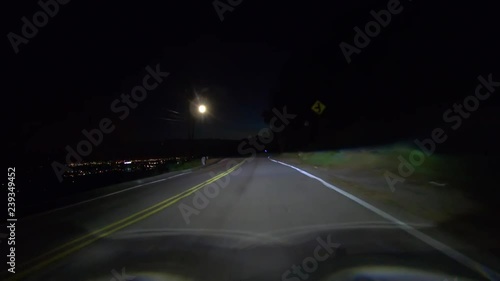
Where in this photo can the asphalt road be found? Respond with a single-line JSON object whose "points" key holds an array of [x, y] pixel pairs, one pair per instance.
{"points": [[257, 220]]}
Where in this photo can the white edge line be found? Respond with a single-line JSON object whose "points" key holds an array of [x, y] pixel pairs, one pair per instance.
{"points": [[103, 196], [443, 248]]}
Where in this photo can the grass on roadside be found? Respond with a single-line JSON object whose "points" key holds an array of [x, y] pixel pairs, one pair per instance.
{"points": [[185, 165], [439, 168], [462, 207]]}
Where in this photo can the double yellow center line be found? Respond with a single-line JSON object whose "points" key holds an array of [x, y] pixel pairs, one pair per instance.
{"points": [[68, 248]]}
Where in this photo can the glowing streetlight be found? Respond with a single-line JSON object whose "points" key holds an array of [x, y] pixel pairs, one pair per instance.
{"points": [[202, 109]]}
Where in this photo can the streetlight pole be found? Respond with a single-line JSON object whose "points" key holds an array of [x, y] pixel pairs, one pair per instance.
{"points": [[197, 110]]}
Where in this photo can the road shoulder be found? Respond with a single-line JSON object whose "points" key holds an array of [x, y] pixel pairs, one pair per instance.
{"points": [[407, 206]]}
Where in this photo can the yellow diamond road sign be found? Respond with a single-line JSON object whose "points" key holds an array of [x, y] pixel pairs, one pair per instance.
{"points": [[318, 107]]}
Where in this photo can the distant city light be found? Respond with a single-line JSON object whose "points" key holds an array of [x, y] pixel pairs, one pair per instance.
{"points": [[84, 169]]}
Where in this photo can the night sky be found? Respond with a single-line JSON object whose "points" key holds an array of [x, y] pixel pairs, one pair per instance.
{"points": [[264, 54], [67, 76]]}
